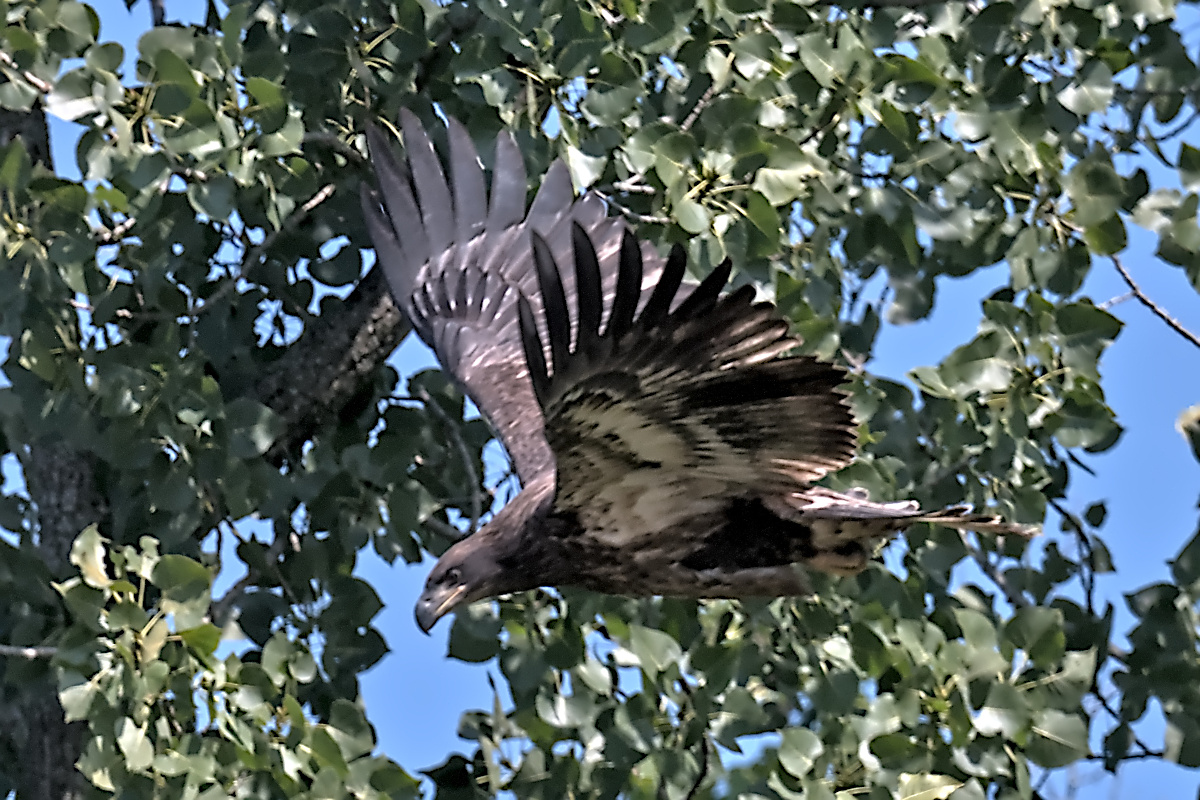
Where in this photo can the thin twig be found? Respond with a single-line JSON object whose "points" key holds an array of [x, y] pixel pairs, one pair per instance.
{"points": [[631, 185], [445, 529], [33, 80], [17, 651], [866, 4], [1154, 307], [1017, 599], [254, 255], [1115, 301], [1127, 756], [1112, 712], [333, 142], [703, 773], [631, 214], [1014, 596], [114, 234], [701, 104], [1087, 574], [219, 610], [463, 453]]}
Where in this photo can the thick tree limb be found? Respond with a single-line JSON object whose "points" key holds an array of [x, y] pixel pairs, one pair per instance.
{"points": [[319, 375]]}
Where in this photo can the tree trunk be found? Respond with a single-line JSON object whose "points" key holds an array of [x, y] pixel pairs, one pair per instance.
{"points": [[61, 484], [320, 376]]}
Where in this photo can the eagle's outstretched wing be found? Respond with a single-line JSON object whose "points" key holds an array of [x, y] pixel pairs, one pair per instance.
{"points": [[673, 408], [457, 259], [684, 440]]}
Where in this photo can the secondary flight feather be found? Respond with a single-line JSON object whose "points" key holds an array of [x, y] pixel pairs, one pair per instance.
{"points": [[666, 442]]}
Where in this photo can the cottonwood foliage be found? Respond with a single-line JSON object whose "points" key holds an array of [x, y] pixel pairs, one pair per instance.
{"points": [[165, 313]]}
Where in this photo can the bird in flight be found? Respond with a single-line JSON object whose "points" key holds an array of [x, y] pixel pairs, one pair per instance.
{"points": [[665, 441]]}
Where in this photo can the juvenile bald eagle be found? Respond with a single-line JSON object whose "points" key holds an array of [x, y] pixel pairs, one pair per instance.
{"points": [[665, 443]]}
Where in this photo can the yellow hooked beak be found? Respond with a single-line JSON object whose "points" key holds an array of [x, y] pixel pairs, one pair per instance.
{"points": [[435, 603]]}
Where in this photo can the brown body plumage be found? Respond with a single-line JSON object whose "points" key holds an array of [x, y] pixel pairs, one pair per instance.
{"points": [[665, 442]]}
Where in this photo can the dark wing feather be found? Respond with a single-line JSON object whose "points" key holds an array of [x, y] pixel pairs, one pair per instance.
{"points": [[588, 293], [457, 261], [629, 281], [684, 405], [558, 320]]}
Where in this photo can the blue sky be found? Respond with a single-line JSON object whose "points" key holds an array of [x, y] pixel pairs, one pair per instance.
{"points": [[1150, 480]]}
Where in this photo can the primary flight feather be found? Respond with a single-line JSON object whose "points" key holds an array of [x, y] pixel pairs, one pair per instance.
{"points": [[665, 442]]}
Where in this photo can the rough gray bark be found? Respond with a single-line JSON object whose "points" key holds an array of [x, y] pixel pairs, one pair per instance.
{"points": [[327, 370], [61, 484], [337, 354]]}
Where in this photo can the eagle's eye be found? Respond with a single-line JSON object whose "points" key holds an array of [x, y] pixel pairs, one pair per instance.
{"points": [[453, 576]]}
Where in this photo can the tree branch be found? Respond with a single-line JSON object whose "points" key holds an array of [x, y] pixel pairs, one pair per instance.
{"points": [[1154, 307], [323, 373], [31, 653], [625, 211], [463, 453], [254, 255], [862, 5], [701, 104], [33, 80], [319, 376], [333, 142], [444, 529]]}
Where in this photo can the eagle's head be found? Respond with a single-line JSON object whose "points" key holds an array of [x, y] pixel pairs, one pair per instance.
{"points": [[503, 556], [467, 572]]}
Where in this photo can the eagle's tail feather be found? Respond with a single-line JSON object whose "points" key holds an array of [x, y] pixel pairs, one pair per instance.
{"points": [[819, 503], [962, 518]]}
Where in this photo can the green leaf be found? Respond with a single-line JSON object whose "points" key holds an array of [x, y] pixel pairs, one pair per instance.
{"points": [[926, 787], [1085, 331], [1084, 421], [1188, 425], [474, 636], [253, 428], [1106, 237], [181, 578], [349, 728], [1096, 514], [1005, 712], [1058, 739], [14, 166], [77, 700], [799, 751], [782, 186], [136, 748], [185, 586], [87, 553], [320, 743], [1039, 632], [1096, 191], [692, 216], [203, 639], [979, 367], [565, 711], [654, 649], [213, 197], [817, 55], [585, 169], [1092, 92], [1185, 567], [1189, 167]]}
